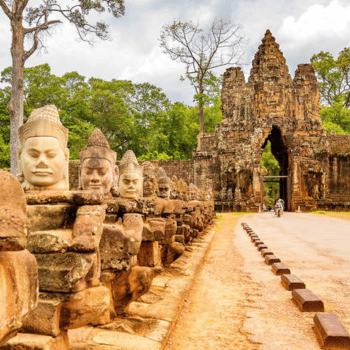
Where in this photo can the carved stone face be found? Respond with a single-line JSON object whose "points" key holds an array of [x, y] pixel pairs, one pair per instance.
{"points": [[193, 195], [43, 162], [130, 185], [97, 175], [148, 187], [164, 190]]}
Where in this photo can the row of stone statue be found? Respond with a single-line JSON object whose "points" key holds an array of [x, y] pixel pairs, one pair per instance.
{"points": [[73, 258], [43, 163]]}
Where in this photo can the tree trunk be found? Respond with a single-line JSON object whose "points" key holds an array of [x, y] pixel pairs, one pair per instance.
{"points": [[16, 102], [200, 105]]}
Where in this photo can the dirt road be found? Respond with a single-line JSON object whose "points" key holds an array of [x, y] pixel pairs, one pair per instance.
{"points": [[238, 303]]}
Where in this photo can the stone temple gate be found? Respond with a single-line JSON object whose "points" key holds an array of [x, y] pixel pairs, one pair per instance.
{"points": [[315, 167]]}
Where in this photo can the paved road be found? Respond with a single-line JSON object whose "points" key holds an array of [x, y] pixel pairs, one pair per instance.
{"points": [[238, 303], [317, 249]]}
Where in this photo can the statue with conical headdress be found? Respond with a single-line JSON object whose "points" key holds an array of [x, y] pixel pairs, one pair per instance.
{"points": [[164, 184], [43, 153], [98, 170], [149, 180], [130, 177]]}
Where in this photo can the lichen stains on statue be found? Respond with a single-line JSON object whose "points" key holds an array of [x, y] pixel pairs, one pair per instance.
{"points": [[98, 170]]}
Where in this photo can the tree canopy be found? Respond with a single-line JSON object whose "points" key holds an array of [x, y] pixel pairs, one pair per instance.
{"points": [[131, 116], [28, 21], [333, 77]]}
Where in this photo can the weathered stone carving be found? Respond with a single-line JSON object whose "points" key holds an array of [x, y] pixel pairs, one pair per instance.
{"points": [[273, 107], [98, 170], [149, 180], [18, 268], [130, 178], [164, 184], [192, 192], [43, 154], [65, 246]]}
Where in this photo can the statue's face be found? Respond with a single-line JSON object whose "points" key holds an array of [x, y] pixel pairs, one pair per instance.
{"points": [[148, 187], [164, 191], [43, 161], [96, 175], [130, 185], [193, 195]]}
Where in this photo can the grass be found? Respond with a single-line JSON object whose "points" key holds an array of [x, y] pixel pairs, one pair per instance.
{"points": [[329, 212]]}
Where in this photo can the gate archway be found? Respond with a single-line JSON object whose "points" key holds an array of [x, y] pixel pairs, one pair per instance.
{"points": [[280, 151]]}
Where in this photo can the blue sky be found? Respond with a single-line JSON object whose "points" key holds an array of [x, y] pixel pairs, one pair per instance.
{"points": [[301, 27]]}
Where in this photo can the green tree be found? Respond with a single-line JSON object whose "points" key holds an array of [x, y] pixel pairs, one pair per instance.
{"points": [[333, 76], [29, 23], [201, 53], [270, 167]]}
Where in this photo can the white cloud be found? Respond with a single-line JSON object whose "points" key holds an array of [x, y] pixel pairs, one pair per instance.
{"points": [[318, 21]]}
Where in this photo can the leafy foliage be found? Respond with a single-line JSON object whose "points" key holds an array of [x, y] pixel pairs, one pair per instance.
{"points": [[333, 77], [131, 116], [270, 167]]}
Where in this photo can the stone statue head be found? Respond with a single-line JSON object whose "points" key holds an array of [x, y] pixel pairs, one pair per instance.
{"points": [[98, 170], [164, 184], [174, 188], [149, 180], [14, 224], [43, 153], [183, 190], [130, 177], [192, 192]]}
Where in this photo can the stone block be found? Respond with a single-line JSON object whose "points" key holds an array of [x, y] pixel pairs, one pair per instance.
{"points": [[50, 217], [18, 290], [149, 254], [291, 282], [266, 252], [25, 341], [307, 301], [330, 332], [45, 319], [254, 238], [115, 246], [280, 269], [257, 242], [85, 307], [88, 197], [67, 272], [180, 239], [271, 259], [157, 229], [261, 246], [42, 242]]}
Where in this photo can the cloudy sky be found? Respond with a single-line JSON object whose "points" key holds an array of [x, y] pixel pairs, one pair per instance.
{"points": [[301, 27]]}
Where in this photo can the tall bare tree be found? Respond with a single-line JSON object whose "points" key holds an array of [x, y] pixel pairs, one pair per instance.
{"points": [[39, 19], [202, 52]]}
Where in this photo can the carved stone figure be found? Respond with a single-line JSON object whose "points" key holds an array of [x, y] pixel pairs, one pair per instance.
{"points": [[43, 154], [192, 192], [98, 170], [18, 268], [149, 180], [164, 184], [130, 179]]}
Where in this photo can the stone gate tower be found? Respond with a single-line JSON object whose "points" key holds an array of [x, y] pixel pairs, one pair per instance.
{"points": [[315, 168]]}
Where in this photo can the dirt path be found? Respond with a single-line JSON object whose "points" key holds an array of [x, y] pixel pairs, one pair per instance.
{"points": [[214, 313], [238, 303]]}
